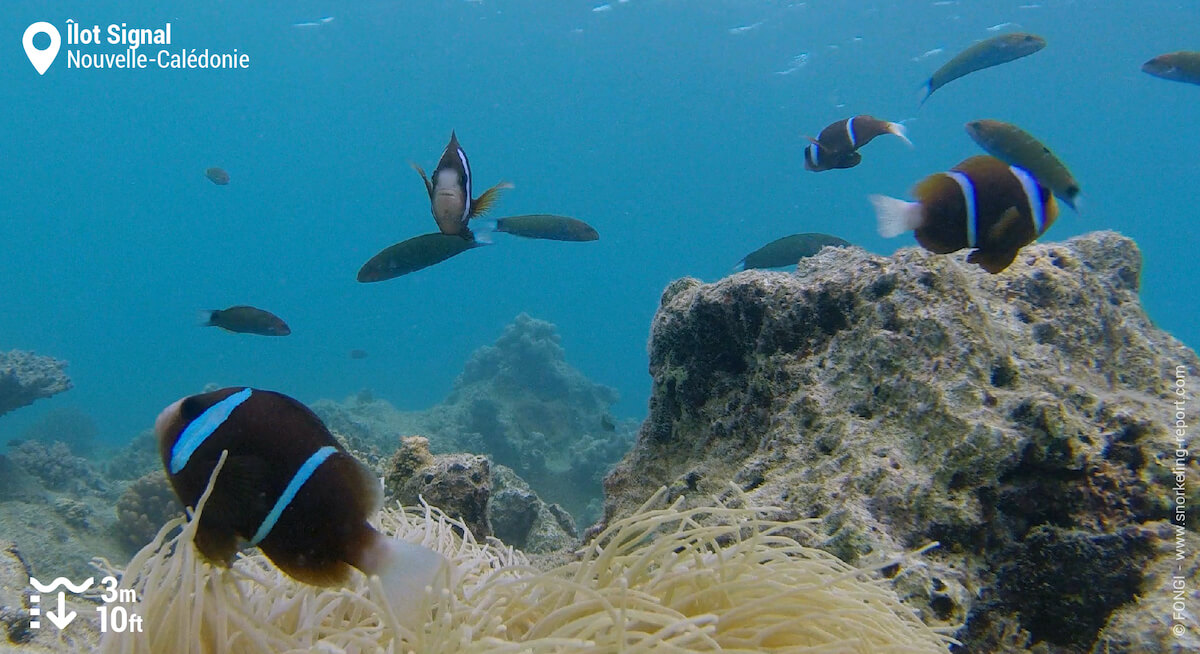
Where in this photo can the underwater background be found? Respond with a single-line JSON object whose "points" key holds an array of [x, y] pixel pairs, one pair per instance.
{"points": [[674, 127]]}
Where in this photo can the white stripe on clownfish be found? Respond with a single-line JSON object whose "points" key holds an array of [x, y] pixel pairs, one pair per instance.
{"points": [[1037, 210], [462, 156], [202, 427], [968, 192], [298, 480]]}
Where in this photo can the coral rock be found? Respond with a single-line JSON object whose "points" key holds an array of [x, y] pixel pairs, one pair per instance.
{"points": [[459, 484], [913, 398], [521, 519], [144, 508], [25, 377]]}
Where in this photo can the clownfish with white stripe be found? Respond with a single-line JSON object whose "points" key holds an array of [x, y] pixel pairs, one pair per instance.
{"points": [[982, 203], [837, 145], [289, 488], [450, 192]]}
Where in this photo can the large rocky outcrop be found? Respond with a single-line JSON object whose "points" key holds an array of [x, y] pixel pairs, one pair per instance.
{"points": [[25, 377], [1020, 419], [519, 402]]}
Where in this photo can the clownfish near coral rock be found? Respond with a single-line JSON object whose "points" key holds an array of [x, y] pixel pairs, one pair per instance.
{"points": [[982, 203], [289, 488], [837, 145], [450, 192]]}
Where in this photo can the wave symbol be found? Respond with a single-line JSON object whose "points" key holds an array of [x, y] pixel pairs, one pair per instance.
{"points": [[61, 581]]}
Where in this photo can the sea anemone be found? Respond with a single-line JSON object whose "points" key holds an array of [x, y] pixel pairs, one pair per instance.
{"points": [[720, 579]]}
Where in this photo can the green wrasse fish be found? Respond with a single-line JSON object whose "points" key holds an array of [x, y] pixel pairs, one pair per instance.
{"points": [[243, 319], [1183, 66], [788, 250], [414, 254], [541, 225], [1017, 147], [985, 54]]}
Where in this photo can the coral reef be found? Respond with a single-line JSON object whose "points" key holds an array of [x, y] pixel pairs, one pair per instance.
{"points": [[26, 377], [57, 469], [145, 506], [137, 458], [1020, 419], [517, 401], [67, 425]]}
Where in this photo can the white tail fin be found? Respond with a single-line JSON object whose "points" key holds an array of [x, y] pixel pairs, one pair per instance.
{"points": [[899, 130], [896, 216], [406, 570], [205, 318], [483, 229]]}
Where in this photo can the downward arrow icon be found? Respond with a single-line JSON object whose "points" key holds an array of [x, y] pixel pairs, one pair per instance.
{"points": [[62, 618]]}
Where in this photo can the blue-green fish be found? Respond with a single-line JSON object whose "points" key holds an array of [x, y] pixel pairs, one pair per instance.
{"points": [[1017, 147], [985, 54], [541, 225], [1183, 66], [414, 254], [788, 250]]}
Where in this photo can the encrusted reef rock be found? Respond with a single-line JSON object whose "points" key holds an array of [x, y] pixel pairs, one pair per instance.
{"points": [[459, 484], [521, 519], [489, 498], [1024, 420], [25, 377]]}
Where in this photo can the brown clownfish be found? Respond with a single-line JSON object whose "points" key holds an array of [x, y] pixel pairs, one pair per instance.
{"points": [[450, 192], [982, 203], [289, 488], [837, 145]]}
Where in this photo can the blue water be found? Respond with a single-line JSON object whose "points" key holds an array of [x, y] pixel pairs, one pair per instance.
{"points": [[675, 136]]}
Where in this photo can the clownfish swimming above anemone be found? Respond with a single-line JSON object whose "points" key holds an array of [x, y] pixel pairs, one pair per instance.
{"points": [[982, 203], [289, 488]]}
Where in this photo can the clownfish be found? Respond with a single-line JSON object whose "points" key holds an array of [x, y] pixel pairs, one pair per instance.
{"points": [[450, 192], [982, 203], [289, 488], [837, 145]]}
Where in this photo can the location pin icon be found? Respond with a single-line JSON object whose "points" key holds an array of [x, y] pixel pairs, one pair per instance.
{"points": [[41, 59]]}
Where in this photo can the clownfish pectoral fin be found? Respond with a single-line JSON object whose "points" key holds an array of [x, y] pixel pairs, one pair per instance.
{"points": [[421, 172], [992, 262], [217, 543], [483, 203], [1007, 221], [895, 216]]}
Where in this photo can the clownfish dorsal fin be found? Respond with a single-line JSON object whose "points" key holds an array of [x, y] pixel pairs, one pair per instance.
{"points": [[481, 204], [1007, 220], [421, 172], [812, 140]]}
